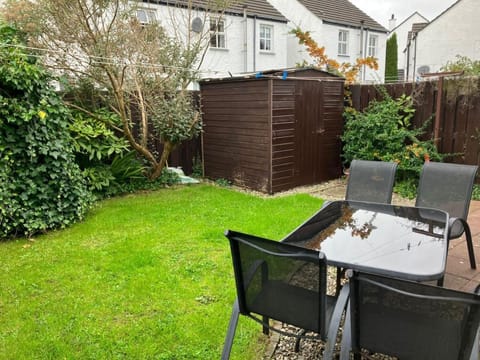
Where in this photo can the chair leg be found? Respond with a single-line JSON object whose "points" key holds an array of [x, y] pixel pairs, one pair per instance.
{"points": [[468, 236], [265, 328], [339, 309], [346, 343], [232, 327], [297, 342]]}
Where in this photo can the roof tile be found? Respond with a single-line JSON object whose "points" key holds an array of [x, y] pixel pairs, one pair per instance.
{"points": [[341, 12], [260, 8]]}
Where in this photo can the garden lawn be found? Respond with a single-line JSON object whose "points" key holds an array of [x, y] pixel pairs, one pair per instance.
{"points": [[145, 276]]}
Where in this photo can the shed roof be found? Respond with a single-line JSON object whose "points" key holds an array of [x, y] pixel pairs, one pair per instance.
{"points": [[306, 73], [341, 12], [259, 8]]}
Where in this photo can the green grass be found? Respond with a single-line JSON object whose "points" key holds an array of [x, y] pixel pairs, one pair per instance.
{"points": [[146, 276]]}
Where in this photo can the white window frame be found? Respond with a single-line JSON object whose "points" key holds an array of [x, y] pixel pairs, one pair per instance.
{"points": [[266, 38], [343, 40], [217, 34], [372, 45], [150, 16]]}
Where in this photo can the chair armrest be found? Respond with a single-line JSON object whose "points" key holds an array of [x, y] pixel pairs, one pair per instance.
{"points": [[340, 306], [325, 203], [453, 220]]}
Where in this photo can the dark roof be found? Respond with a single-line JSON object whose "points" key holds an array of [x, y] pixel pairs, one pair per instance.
{"points": [[415, 29], [341, 12], [259, 8]]}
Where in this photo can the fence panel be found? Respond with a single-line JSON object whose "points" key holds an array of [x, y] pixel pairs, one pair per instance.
{"points": [[458, 110]]}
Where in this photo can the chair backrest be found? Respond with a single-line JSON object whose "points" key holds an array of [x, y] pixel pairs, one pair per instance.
{"points": [[411, 320], [279, 281], [447, 187], [371, 181]]}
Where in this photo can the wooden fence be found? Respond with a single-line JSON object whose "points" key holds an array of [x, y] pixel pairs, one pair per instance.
{"points": [[453, 118]]}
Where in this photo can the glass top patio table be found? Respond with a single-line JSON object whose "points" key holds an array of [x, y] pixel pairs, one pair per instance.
{"points": [[399, 241]]}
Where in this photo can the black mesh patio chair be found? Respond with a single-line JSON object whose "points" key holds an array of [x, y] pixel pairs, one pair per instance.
{"points": [[409, 320], [371, 181], [449, 187], [285, 283]]}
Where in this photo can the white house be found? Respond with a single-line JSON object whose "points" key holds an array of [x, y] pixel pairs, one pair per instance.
{"points": [[248, 37], [254, 35], [346, 32], [453, 32], [402, 31]]}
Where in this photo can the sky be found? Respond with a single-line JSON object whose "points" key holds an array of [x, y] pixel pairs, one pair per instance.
{"points": [[382, 10]]}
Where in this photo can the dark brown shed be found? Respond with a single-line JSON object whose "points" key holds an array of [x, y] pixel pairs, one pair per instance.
{"points": [[274, 131]]}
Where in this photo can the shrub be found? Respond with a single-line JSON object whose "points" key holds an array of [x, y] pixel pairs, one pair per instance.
{"points": [[383, 132], [41, 187]]}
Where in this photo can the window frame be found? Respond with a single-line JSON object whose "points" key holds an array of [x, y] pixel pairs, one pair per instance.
{"points": [[372, 48], [219, 37], [150, 16], [343, 42], [263, 39]]}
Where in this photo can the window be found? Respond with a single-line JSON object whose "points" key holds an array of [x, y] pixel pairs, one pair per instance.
{"points": [[343, 42], [372, 45], [266, 35], [146, 16], [217, 33]]}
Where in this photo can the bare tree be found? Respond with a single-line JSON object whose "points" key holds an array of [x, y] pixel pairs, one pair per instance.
{"points": [[143, 70]]}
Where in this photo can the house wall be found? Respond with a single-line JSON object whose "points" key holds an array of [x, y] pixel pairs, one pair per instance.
{"points": [[298, 16], [326, 34], [455, 32], [402, 37], [242, 52], [356, 50]]}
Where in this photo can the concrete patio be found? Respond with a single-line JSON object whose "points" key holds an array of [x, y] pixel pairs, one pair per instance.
{"points": [[459, 275]]}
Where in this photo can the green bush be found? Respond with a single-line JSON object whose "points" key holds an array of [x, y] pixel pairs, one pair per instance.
{"points": [[383, 132], [41, 187]]}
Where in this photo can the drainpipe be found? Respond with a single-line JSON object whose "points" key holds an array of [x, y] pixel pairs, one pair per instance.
{"points": [[245, 39], [366, 41], [254, 43], [414, 58], [408, 60], [361, 43]]}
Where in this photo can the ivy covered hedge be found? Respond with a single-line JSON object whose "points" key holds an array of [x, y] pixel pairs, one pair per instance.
{"points": [[41, 187]]}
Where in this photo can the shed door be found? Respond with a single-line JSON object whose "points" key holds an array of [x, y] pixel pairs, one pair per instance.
{"points": [[318, 127], [309, 130]]}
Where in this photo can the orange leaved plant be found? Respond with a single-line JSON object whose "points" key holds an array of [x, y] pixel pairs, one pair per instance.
{"points": [[347, 70]]}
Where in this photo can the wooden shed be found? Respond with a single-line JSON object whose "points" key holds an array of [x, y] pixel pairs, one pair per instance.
{"points": [[273, 131]]}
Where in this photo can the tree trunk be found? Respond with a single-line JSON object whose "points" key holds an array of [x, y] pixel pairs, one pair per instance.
{"points": [[168, 147]]}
